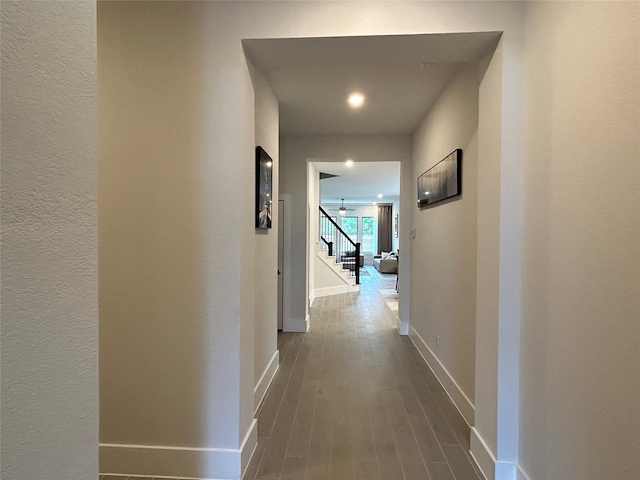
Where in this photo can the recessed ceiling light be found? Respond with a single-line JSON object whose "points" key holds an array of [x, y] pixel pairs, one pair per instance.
{"points": [[356, 100], [426, 193], [380, 195], [349, 163], [269, 164]]}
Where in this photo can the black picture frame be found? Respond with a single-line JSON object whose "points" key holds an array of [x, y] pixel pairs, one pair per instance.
{"points": [[442, 181], [264, 192]]}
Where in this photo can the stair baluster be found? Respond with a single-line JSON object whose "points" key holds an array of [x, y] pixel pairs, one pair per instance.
{"points": [[338, 243]]}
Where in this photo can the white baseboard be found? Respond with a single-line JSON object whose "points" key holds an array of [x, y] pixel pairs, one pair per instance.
{"points": [[156, 477], [491, 468], [179, 462], [265, 380], [459, 398], [483, 455], [326, 291], [295, 324], [125, 477], [312, 296], [403, 327], [248, 446]]}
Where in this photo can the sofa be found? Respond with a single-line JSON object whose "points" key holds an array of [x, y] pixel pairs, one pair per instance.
{"points": [[384, 264]]}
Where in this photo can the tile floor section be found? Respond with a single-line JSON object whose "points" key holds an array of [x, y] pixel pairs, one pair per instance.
{"points": [[353, 400]]}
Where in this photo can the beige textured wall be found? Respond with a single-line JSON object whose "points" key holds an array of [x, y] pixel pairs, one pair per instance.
{"points": [[49, 256], [443, 300], [175, 227], [580, 372], [325, 276], [266, 241]]}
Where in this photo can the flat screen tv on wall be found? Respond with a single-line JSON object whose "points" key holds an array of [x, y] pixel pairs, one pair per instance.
{"points": [[442, 181]]}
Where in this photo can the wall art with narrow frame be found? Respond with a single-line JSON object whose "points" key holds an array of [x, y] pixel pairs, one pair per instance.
{"points": [[442, 181], [264, 192]]}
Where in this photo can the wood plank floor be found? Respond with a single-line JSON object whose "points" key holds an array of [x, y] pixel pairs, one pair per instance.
{"points": [[353, 400]]}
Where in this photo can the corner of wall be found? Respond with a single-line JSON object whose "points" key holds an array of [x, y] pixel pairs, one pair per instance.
{"points": [[296, 324], [265, 260], [402, 327]]}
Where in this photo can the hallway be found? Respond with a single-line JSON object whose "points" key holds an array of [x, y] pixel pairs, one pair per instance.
{"points": [[355, 401]]}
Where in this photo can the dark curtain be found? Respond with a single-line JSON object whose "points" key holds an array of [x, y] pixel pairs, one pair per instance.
{"points": [[385, 228]]}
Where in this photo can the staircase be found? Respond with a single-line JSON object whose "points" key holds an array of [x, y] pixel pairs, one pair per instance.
{"points": [[344, 273], [339, 247]]}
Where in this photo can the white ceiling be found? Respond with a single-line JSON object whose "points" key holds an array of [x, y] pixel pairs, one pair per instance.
{"points": [[312, 78], [395, 99], [360, 183], [399, 75]]}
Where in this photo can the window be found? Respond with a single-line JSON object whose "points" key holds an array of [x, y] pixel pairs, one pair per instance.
{"points": [[367, 235], [350, 227]]}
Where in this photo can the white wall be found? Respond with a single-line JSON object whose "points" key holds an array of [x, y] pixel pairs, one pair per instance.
{"points": [[494, 438], [580, 371], [327, 278], [295, 151], [248, 265], [266, 241], [49, 254], [312, 238], [488, 251], [443, 254], [176, 192]]}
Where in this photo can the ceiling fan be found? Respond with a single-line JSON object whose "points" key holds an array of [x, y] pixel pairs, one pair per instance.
{"points": [[342, 209]]}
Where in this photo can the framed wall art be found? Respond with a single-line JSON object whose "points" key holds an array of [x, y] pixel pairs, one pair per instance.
{"points": [[264, 192], [442, 181]]}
